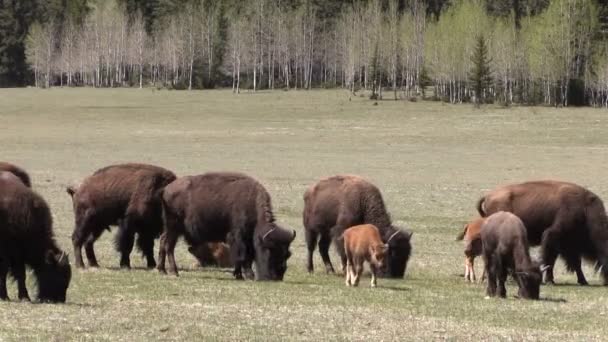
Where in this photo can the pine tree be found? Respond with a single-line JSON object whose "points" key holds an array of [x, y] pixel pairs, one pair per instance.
{"points": [[481, 75]]}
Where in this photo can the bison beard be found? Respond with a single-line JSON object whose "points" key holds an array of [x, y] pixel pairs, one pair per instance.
{"points": [[26, 238], [228, 207], [563, 218], [127, 195], [336, 203]]}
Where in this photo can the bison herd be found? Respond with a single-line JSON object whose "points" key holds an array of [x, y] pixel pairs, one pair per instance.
{"points": [[226, 219]]}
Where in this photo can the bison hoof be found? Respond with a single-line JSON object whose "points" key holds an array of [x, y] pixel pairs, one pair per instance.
{"points": [[94, 265], [583, 282]]}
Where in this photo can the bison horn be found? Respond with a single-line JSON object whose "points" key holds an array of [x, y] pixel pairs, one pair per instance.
{"points": [[544, 267], [293, 237], [63, 258]]}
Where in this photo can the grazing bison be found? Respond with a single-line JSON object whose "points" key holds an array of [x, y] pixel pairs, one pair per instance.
{"points": [[228, 207], [17, 171], [363, 243], [472, 248], [563, 218], [506, 250], [127, 195], [333, 204], [212, 254], [26, 238]]}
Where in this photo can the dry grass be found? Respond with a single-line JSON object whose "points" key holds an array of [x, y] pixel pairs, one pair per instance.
{"points": [[431, 161]]}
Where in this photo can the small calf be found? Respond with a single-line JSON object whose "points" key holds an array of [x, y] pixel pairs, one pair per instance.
{"points": [[363, 243], [212, 254], [472, 247], [506, 250]]}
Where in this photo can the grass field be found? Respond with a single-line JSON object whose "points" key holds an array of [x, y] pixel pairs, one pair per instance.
{"points": [[432, 161]]}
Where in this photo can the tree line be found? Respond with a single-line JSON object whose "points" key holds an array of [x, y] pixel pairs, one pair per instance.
{"points": [[551, 52]]}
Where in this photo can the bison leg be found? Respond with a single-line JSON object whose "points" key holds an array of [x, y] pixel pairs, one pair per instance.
{"points": [[169, 249], [145, 242], [549, 251], [125, 238], [579, 273], [18, 271], [161, 254], [502, 278], [491, 272], [3, 273], [89, 250], [374, 272], [358, 267], [324, 244], [311, 242]]}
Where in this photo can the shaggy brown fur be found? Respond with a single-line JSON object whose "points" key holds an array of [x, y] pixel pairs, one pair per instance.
{"points": [[505, 250], [26, 238], [230, 207], [212, 254], [363, 243], [17, 171], [563, 218], [472, 247], [333, 204], [127, 195]]}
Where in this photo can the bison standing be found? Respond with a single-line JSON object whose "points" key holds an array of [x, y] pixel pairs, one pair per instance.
{"points": [[228, 207], [563, 218], [17, 171], [506, 250], [127, 195], [26, 238], [336, 203]]}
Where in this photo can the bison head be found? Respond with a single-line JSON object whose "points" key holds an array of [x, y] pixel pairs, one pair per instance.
{"points": [[54, 277], [272, 251], [529, 282], [399, 250]]}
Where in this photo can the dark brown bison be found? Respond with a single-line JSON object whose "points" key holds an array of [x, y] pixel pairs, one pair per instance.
{"points": [[212, 254], [333, 204], [563, 218], [17, 171], [229, 207], [506, 250], [26, 238], [127, 195]]}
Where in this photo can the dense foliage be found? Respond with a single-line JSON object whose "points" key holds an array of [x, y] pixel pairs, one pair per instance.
{"points": [[550, 52]]}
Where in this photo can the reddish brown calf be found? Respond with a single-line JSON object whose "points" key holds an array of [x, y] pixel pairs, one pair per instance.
{"points": [[472, 247], [363, 243]]}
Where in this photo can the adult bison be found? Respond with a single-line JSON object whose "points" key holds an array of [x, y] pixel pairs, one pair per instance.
{"points": [[17, 171], [563, 218], [336, 203], [26, 238], [127, 195], [228, 207]]}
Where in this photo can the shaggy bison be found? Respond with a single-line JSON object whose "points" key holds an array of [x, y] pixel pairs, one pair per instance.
{"points": [[472, 247], [127, 195], [228, 207], [333, 204], [17, 171], [26, 238], [212, 254], [505, 250], [563, 218], [363, 243]]}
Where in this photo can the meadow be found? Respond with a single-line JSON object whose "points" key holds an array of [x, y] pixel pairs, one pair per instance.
{"points": [[432, 161]]}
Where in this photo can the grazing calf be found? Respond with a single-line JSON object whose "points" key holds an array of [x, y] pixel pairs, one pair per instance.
{"points": [[505, 250], [17, 171], [126, 195], [363, 243], [26, 238], [472, 248], [212, 254]]}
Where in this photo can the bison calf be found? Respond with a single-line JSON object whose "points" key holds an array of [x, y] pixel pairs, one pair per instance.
{"points": [[472, 247], [363, 243], [26, 238], [212, 254], [506, 250]]}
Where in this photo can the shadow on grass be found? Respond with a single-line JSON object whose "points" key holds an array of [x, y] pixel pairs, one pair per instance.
{"points": [[573, 285], [553, 300], [394, 288]]}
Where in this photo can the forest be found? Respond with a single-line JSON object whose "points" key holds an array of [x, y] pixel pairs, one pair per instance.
{"points": [[531, 52]]}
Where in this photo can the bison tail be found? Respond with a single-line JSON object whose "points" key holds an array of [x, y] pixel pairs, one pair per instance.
{"points": [[480, 209], [461, 235], [71, 190]]}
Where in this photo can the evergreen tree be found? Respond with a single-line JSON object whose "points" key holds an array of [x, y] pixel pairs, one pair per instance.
{"points": [[481, 75]]}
